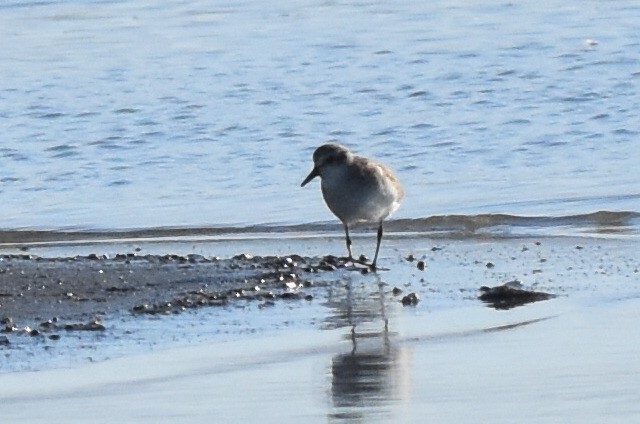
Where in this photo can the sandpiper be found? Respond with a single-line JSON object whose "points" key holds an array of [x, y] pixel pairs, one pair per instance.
{"points": [[355, 189]]}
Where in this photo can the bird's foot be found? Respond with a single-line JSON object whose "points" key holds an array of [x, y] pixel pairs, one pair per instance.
{"points": [[351, 262], [360, 264], [375, 268]]}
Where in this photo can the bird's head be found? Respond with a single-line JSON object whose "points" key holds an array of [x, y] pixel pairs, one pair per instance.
{"points": [[327, 155]]}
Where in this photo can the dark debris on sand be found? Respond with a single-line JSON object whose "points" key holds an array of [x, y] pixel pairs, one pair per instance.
{"points": [[510, 295], [78, 289]]}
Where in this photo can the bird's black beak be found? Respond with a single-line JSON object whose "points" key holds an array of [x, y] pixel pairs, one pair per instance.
{"points": [[314, 173]]}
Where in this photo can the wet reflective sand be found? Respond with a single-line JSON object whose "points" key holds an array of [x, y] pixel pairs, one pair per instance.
{"points": [[355, 354]]}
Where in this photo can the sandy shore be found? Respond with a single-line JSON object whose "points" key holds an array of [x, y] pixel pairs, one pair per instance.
{"points": [[315, 344]]}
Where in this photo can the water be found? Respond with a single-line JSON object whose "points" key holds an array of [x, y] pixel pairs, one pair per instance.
{"points": [[125, 114]]}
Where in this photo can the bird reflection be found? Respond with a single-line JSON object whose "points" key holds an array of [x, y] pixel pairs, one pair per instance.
{"points": [[365, 379]]}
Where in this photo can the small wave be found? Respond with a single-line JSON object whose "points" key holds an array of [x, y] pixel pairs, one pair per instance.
{"points": [[596, 224], [602, 222]]}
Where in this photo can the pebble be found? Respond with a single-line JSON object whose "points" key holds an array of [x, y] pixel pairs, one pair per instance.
{"points": [[421, 265], [94, 325], [242, 257], [410, 300]]}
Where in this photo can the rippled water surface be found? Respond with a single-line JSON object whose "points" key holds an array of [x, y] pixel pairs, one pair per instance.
{"points": [[134, 114]]}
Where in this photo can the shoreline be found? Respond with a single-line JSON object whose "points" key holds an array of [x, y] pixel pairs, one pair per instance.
{"points": [[45, 300]]}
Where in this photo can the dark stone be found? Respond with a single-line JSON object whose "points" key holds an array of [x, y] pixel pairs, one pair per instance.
{"points": [[242, 257], [396, 291], [116, 289], [49, 323], [9, 328], [141, 308], [94, 325], [289, 296], [508, 296], [421, 265], [410, 300]]}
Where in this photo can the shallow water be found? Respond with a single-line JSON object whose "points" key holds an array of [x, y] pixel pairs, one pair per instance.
{"points": [[118, 115], [573, 367]]}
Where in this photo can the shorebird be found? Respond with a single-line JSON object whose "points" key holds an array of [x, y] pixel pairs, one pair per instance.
{"points": [[355, 189]]}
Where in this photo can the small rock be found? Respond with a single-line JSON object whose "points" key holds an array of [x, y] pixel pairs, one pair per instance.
{"points": [[326, 267], [54, 337], [289, 296], [4, 341], [49, 323], [410, 258], [490, 265], [10, 328], [410, 300], [242, 257], [94, 325], [510, 295], [421, 265], [193, 258], [396, 291], [141, 308]]}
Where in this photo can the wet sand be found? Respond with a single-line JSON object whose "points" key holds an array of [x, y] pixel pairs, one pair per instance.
{"points": [[337, 346]]}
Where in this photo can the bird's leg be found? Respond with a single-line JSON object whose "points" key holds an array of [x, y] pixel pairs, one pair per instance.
{"points": [[346, 231], [375, 258]]}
